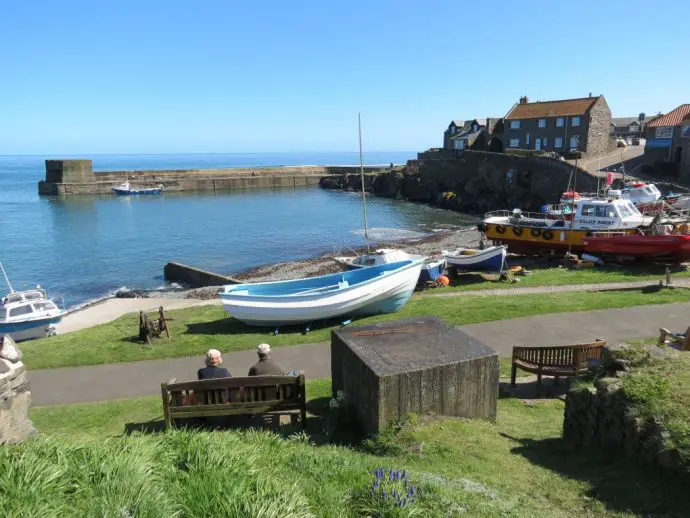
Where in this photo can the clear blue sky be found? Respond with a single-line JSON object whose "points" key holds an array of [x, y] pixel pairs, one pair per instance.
{"points": [[152, 76]]}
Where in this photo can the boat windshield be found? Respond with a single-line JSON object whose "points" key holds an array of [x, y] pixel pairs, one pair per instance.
{"points": [[21, 310], [44, 306], [3, 313]]}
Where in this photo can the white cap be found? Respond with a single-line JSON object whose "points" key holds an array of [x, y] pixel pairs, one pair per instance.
{"points": [[263, 348]]}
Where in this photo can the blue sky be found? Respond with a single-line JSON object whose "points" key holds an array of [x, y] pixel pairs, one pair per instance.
{"points": [[152, 76]]}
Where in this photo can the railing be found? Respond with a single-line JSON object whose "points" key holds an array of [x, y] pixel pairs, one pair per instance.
{"points": [[523, 215], [613, 233]]}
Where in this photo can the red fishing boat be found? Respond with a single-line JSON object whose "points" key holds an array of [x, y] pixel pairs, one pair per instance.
{"points": [[672, 247]]}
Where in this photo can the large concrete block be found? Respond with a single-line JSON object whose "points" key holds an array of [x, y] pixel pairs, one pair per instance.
{"points": [[65, 171], [415, 365]]}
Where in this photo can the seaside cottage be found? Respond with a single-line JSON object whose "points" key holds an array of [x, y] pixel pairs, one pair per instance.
{"points": [[566, 126], [475, 134], [664, 136]]}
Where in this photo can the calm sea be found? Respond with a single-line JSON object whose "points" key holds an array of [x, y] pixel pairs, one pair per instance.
{"points": [[84, 247]]}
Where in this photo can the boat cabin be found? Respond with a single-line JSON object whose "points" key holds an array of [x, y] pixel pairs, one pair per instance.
{"points": [[27, 305], [381, 256], [640, 193]]}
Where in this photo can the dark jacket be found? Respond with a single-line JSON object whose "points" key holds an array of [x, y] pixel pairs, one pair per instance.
{"points": [[213, 372], [266, 368]]}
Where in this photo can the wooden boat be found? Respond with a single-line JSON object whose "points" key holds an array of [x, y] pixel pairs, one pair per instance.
{"points": [[532, 232], [365, 291], [126, 189], [490, 259], [432, 269], [671, 247]]}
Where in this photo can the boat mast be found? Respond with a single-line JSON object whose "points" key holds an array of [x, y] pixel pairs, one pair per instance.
{"points": [[361, 173], [6, 279], [572, 210]]}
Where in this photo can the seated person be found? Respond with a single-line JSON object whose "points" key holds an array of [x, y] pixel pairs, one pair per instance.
{"points": [[265, 366], [212, 370]]}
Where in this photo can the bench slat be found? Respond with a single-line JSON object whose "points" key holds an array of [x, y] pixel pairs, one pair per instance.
{"points": [[225, 383]]}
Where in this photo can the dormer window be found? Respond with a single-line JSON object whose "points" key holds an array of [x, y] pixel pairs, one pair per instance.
{"points": [[474, 128], [452, 130]]}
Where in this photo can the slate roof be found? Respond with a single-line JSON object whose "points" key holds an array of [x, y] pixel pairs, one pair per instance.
{"points": [[621, 122], [552, 108], [672, 118]]}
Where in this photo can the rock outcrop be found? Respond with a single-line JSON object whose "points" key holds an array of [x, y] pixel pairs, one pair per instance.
{"points": [[15, 397]]}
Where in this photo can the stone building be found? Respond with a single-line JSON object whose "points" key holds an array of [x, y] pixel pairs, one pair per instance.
{"points": [[565, 126], [630, 127], [684, 173], [664, 140], [476, 134]]}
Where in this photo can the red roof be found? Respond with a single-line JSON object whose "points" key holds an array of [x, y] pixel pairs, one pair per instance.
{"points": [[552, 108], [672, 118]]}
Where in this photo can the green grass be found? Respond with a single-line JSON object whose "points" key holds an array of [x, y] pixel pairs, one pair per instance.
{"points": [[518, 466], [561, 277], [195, 330]]}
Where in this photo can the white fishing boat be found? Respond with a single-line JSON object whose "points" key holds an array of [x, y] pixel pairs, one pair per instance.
{"points": [[126, 189], [364, 291], [431, 269], [28, 314], [490, 259]]}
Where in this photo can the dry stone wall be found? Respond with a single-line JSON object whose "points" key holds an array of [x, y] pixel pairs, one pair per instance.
{"points": [[15, 397]]}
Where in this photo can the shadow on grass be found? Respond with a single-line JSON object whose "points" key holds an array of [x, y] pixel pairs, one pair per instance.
{"points": [[229, 326], [527, 389], [621, 484]]}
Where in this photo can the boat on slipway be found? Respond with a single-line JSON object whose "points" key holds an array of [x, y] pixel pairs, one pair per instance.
{"points": [[384, 288], [556, 231], [432, 268], [491, 259], [658, 247], [126, 189]]}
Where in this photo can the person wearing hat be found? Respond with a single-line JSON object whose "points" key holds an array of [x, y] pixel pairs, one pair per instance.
{"points": [[265, 366], [213, 359]]}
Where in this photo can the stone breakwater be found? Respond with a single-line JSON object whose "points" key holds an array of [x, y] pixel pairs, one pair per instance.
{"points": [[72, 177], [472, 181]]}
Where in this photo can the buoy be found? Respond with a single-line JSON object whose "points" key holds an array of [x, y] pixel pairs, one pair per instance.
{"points": [[442, 281]]}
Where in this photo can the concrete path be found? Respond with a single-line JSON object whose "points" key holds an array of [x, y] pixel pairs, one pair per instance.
{"points": [[143, 378]]}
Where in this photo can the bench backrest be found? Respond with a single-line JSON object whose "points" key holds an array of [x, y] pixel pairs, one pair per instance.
{"points": [[233, 396], [560, 356]]}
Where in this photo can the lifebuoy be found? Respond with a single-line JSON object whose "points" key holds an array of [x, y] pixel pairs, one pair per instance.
{"points": [[500, 229], [517, 231], [547, 234], [536, 232]]}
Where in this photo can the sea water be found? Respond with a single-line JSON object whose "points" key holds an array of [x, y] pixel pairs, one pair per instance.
{"points": [[84, 247]]}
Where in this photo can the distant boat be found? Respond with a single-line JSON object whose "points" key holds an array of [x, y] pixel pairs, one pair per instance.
{"points": [[125, 189], [490, 259], [432, 269], [365, 291], [28, 314]]}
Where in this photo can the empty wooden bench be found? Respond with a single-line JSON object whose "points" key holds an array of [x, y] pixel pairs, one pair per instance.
{"points": [[676, 340], [557, 361], [254, 395]]}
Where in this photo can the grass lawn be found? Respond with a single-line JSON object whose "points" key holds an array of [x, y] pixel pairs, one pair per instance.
{"points": [[517, 466], [195, 330], [563, 276]]}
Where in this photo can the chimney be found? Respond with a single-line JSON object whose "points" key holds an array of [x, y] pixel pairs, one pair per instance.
{"points": [[641, 117], [590, 94], [524, 99]]}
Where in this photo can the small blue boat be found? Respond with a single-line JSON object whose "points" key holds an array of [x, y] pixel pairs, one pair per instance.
{"points": [[125, 189], [490, 259], [432, 270]]}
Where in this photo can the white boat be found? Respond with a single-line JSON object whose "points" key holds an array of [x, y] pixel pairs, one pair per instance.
{"points": [[126, 189], [29, 314], [431, 270], [364, 291], [490, 259]]}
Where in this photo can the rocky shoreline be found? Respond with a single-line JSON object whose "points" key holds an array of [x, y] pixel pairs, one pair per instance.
{"points": [[430, 245]]}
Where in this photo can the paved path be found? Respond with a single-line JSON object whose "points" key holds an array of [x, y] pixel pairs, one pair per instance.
{"points": [[143, 378]]}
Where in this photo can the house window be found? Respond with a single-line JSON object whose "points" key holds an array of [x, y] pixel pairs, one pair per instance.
{"points": [[558, 142], [685, 131], [560, 122], [574, 141], [664, 132], [452, 130], [633, 127], [544, 142], [514, 142], [527, 140], [542, 123], [514, 124], [474, 128], [459, 144], [575, 121]]}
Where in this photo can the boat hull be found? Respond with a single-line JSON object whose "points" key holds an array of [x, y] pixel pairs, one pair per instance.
{"points": [[31, 329], [135, 192], [669, 247], [387, 291], [491, 259], [432, 270]]}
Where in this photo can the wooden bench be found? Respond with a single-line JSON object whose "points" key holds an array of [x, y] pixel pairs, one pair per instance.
{"points": [[253, 395], [567, 360], [675, 340]]}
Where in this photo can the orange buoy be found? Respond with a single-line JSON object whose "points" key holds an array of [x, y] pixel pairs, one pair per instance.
{"points": [[442, 281]]}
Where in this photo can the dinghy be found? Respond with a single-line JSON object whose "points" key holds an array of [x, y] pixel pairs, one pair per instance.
{"points": [[432, 269], [365, 291], [490, 259]]}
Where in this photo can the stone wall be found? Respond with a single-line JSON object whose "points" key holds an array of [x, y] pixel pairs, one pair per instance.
{"points": [[65, 171], [475, 181], [15, 400], [195, 277], [599, 139]]}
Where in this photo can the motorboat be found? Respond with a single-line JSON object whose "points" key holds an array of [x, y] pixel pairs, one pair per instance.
{"points": [[669, 247], [490, 259], [530, 232], [432, 268], [384, 288], [29, 314], [126, 189]]}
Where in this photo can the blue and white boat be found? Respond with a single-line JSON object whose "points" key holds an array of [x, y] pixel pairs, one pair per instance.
{"points": [[29, 314], [432, 269], [126, 189], [383, 288], [490, 259]]}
